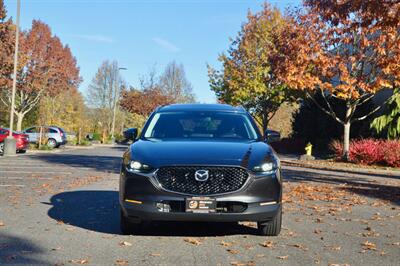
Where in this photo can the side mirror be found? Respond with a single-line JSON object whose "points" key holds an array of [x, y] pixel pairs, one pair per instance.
{"points": [[272, 136], [131, 134]]}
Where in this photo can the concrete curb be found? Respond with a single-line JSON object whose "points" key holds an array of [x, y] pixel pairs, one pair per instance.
{"points": [[395, 172]]}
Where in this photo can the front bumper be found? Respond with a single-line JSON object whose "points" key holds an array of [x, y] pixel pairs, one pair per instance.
{"points": [[260, 200]]}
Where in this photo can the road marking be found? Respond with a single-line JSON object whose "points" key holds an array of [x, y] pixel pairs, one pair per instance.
{"points": [[30, 172], [46, 167], [34, 166], [26, 178]]}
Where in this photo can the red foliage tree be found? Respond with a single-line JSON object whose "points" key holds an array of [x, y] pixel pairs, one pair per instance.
{"points": [[46, 67], [383, 12], [144, 102], [7, 38]]}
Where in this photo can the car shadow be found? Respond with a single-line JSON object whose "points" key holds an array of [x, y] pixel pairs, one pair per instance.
{"points": [[109, 164], [17, 251], [98, 210]]}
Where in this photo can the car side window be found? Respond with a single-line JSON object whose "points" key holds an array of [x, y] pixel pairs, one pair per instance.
{"points": [[31, 130], [3, 132], [52, 130]]}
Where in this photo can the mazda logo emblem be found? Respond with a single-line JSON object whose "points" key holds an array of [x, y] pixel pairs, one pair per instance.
{"points": [[201, 175]]}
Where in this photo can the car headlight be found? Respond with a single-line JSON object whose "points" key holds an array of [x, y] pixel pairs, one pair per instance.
{"points": [[267, 167], [135, 166]]}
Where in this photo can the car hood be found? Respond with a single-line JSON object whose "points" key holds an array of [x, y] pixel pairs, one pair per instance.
{"points": [[162, 153]]}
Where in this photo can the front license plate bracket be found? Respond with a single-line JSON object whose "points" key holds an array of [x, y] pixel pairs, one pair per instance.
{"points": [[201, 205]]}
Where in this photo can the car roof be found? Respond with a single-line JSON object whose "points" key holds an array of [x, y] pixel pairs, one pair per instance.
{"points": [[56, 127], [201, 107]]}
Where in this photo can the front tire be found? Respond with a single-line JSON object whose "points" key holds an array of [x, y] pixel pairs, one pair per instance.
{"points": [[1, 147], [127, 227], [271, 228]]}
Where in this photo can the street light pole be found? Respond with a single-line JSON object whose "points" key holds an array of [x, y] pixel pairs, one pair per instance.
{"points": [[115, 105], [10, 143]]}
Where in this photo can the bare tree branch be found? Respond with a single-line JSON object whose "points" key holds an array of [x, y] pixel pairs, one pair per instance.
{"points": [[332, 114]]}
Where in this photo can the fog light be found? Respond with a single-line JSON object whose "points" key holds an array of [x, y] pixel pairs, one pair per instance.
{"points": [[163, 207]]}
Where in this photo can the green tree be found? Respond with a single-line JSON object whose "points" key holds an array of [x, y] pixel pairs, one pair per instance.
{"points": [[248, 77], [389, 122]]}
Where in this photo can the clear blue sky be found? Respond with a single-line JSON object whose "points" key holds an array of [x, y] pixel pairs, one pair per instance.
{"points": [[142, 33]]}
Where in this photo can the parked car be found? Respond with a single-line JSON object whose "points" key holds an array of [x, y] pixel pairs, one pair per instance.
{"points": [[201, 162], [55, 136], [21, 138]]}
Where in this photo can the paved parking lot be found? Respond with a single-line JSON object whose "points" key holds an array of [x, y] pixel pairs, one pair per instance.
{"points": [[62, 209]]}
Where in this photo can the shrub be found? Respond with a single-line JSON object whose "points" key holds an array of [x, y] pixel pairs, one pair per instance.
{"points": [[85, 142], [97, 136], [336, 146], [370, 151], [391, 153]]}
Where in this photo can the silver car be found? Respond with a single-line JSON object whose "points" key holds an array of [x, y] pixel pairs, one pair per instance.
{"points": [[55, 136]]}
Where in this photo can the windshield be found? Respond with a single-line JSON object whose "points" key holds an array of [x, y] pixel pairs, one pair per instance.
{"points": [[200, 125]]}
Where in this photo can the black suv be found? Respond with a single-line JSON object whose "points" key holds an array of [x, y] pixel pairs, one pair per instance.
{"points": [[201, 162]]}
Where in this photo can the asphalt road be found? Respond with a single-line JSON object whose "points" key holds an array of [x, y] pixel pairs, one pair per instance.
{"points": [[62, 209]]}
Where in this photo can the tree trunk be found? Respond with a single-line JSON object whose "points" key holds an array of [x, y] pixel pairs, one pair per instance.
{"points": [[265, 120], [20, 117], [346, 141], [346, 134]]}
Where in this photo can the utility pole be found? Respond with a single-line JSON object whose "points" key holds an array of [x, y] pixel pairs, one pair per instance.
{"points": [[115, 104], [10, 145]]}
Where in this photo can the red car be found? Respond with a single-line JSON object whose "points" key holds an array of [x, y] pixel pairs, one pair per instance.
{"points": [[22, 140]]}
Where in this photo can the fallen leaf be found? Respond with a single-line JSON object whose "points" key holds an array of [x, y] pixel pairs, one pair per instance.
{"points": [[121, 262], [299, 246], [82, 261], [283, 257], [2, 223], [125, 243], [368, 245], [155, 254], [193, 241], [226, 244], [248, 246], [233, 251], [57, 248], [267, 244], [317, 231]]}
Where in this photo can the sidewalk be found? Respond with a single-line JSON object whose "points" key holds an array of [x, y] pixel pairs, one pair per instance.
{"points": [[293, 160]]}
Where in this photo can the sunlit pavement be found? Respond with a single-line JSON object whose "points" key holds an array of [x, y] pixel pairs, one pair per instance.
{"points": [[63, 209]]}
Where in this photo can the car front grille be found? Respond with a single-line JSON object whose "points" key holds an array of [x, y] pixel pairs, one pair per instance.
{"points": [[221, 179]]}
